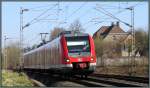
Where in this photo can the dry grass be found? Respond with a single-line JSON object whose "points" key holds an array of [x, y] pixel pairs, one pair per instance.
{"points": [[10, 78], [139, 67]]}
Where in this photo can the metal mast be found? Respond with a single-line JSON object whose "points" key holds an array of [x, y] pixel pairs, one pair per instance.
{"points": [[21, 36]]}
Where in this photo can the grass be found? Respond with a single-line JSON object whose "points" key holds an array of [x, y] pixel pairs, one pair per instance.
{"points": [[10, 78]]}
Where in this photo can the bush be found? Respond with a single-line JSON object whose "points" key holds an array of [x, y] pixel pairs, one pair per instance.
{"points": [[15, 79]]}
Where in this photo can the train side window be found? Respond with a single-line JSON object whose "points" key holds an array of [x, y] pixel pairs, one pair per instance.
{"points": [[25, 57], [50, 56], [45, 56], [55, 53], [38, 58], [28, 60], [58, 53], [41, 59], [31, 59], [25, 61], [35, 59]]}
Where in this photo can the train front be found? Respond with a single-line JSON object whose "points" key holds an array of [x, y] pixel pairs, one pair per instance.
{"points": [[80, 53]]}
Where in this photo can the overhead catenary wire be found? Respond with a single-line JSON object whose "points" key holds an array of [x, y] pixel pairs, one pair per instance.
{"points": [[123, 8], [102, 16], [109, 14], [75, 11], [38, 7], [32, 21], [32, 38], [114, 17]]}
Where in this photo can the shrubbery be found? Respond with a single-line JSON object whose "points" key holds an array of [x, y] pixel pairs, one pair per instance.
{"points": [[15, 79]]}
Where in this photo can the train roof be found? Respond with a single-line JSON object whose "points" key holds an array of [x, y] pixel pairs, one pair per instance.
{"points": [[73, 33], [65, 33], [40, 47]]}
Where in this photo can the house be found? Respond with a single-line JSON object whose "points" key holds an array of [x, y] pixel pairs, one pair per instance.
{"points": [[116, 34]]}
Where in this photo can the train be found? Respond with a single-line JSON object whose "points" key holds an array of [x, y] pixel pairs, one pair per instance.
{"points": [[69, 53]]}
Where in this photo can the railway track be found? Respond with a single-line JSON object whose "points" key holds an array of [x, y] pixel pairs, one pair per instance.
{"points": [[128, 78], [94, 80]]}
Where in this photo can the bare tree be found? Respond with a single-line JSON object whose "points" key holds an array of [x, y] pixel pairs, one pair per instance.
{"points": [[141, 42], [55, 32], [12, 55], [76, 26], [99, 50], [98, 46]]}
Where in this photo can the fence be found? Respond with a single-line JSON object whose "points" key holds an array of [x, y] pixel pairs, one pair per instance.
{"points": [[132, 66]]}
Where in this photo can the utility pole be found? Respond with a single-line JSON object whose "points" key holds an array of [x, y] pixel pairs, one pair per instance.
{"points": [[43, 37], [21, 35], [132, 42]]}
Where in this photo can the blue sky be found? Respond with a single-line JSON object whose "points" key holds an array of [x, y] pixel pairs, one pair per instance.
{"points": [[69, 11]]}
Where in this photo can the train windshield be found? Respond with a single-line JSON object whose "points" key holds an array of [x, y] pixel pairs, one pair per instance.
{"points": [[78, 46]]}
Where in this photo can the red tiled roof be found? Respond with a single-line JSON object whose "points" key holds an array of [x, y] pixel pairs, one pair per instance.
{"points": [[103, 29], [108, 29], [116, 29]]}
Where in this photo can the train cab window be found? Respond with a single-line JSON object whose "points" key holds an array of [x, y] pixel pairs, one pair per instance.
{"points": [[78, 45]]}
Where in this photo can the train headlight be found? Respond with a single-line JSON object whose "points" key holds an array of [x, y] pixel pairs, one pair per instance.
{"points": [[92, 59], [66, 60]]}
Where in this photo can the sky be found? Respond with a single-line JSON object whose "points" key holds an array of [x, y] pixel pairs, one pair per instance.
{"points": [[90, 14]]}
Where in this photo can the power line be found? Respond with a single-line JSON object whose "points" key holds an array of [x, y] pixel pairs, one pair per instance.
{"points": [[44, 6], [32, 38], [109, 14], [102, 16], [77, 9], [29, 23], [123, 9]]}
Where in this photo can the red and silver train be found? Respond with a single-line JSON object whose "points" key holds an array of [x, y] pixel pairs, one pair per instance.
{"points": [[70, 52]]}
